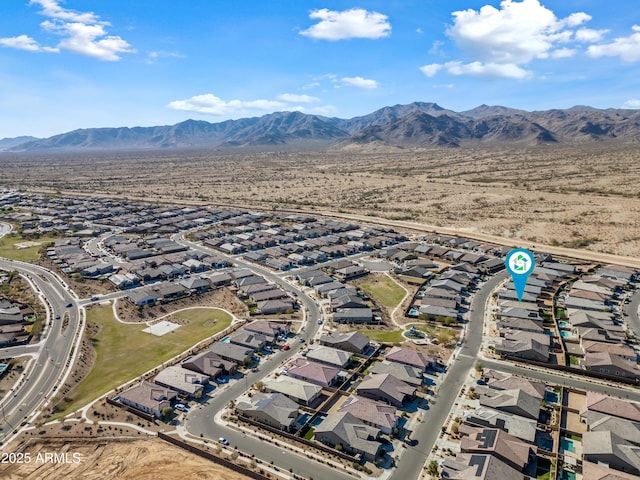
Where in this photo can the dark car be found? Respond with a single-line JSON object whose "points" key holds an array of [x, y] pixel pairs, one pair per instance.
{"points": [[69, 305]]}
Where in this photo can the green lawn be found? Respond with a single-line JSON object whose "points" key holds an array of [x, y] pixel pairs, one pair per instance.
{"points": [[125, 351], [384, 289], [30, 254], [384, 335]]}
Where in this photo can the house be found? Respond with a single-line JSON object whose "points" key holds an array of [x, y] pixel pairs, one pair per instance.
{"points": [[594, 471], [354, 342], [183, 381], [273, 409], [233, 353], [506, 381], [299, 391], [355, 437], [523, 344], [347, 301], [252, 340], [625, 429], [387, 388], [148, 397], [599, 402], [353, 315], [210, 364], [516, 453], [514, 401], [624, 351], [349, 273], [269, 328], [272, 307], [467, 466], [608, 448], [611, 364], [372, 413], [195, 285], [436, 312], [168, 291], [520, 427], [316, 373], [142, 297], [413, 358], [406, 373], [220, 279], [328, 356]]}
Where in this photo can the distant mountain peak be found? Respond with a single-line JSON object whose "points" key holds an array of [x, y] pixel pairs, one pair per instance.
{"points": [[417, 124]]}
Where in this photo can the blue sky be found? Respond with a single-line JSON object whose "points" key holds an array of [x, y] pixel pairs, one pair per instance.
{"points": [[89, 63]]}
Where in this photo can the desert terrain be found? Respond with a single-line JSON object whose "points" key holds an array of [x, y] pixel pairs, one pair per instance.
{"points": [[578, 196], [110, 460]]}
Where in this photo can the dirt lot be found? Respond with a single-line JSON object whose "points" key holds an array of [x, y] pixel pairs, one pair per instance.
{"points": [[151, 459], [574, 196]]}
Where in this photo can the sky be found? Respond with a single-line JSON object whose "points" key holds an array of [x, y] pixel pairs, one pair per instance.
{"points": [[75, 64]]}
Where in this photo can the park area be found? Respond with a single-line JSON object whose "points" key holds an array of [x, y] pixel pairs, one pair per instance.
{"points": [[14, 247], [383, 289], [124, 352]]}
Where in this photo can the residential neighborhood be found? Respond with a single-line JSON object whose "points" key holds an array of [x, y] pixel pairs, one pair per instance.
{"points": [[359, 345]]}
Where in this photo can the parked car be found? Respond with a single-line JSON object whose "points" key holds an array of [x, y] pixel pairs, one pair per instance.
{"points": [[181, 407], [302, 340], [319, 321], [286, 347], [223, 441]]}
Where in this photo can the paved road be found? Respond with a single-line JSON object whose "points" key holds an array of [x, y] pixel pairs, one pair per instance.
{"points": [[52, 352], [412, 460], [201, 420], [631, 313]]}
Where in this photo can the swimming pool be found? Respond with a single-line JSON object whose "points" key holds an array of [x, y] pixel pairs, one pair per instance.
{"points": [[226, 339], [413, 312], [564, 334], [564, 325], [566, 445]]}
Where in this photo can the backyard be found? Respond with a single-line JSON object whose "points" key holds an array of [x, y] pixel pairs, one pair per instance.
{"points": [[124, 352]]}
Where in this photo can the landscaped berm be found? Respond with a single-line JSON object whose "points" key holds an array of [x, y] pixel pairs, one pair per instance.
{"points": [[124, 351]]}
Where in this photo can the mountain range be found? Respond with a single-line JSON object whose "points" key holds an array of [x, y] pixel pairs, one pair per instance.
{"points": [[417, 124]]}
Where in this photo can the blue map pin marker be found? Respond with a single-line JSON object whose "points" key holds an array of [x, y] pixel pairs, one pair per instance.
{"points": [[520, 263]]}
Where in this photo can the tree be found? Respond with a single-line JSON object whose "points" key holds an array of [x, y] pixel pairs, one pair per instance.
{"points": [[432, 468], [166, 412]]}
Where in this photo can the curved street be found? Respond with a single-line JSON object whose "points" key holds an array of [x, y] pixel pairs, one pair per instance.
{"points": [[51, 353]]}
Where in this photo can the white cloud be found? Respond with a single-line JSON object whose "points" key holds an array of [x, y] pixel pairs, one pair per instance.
{"points": [[576, 19], [487, 70], [501, 41], [209, 104], [310, 86], [360, 82], [627, 48], [633, 103], [81, 32], [152, 57], [324, 110], [24, 42], [52, 9], [589, 35], [563, 53], [353, 23], [431, 69], [294, 98]]}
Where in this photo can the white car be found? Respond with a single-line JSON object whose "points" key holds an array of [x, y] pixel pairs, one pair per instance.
{"points": [[223, 441]]}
